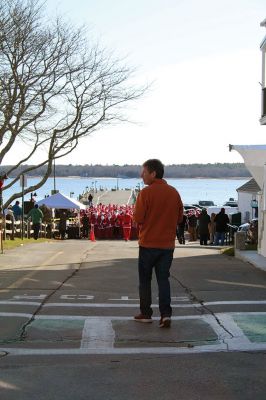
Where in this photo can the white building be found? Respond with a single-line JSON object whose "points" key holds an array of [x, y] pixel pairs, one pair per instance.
{"points": [[255, 159], [263, 81], [248, 200]]}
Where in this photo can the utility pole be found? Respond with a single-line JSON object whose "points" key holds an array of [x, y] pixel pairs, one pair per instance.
{"points": [[2, 180], [22, 184], [54, 178]]}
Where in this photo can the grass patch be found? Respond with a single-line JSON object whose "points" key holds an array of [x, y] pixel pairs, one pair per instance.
{"points": [[11, 244], [228, 251]]}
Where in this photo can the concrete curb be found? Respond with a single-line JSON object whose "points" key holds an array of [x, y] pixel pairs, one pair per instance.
{"points": [[252, 257]]}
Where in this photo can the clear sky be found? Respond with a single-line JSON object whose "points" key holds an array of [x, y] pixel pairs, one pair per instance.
{"points": [[205, 61]]}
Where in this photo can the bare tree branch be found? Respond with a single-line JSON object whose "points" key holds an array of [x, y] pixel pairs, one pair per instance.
{"points": [[54, 87]]}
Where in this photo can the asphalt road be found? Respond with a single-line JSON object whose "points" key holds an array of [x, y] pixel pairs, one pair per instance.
{"points": [[66, 327]]}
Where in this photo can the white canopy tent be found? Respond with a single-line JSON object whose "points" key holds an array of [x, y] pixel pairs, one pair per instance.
{"points": [[61, 201]]}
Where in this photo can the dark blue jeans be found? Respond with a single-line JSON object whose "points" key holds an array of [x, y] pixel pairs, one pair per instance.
{"points": [[36, 230], [160, 260], [219, 236]]}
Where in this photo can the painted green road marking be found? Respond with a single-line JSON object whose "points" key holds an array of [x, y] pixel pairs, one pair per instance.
{"points": [[66, 334], [55, 325], [253, 326], [55, 329]]}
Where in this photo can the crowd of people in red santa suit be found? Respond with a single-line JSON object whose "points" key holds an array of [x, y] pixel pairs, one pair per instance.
{"points": [[109, 222]]}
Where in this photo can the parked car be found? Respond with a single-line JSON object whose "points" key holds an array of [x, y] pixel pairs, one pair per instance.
{"points": [[205, 203], [231, 204], [191, 207]]}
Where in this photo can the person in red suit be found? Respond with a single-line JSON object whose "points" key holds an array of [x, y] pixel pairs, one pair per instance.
{"points": [[94, 223], [127, 222]]}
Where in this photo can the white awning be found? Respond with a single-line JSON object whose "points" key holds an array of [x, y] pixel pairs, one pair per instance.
{"points": [[255, 159], [61, 201]]}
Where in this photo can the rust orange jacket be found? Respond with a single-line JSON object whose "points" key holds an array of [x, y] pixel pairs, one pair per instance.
{"points": [[158, 210]]}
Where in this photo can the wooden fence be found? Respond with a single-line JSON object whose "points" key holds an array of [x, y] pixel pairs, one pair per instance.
{"points": [[12, 229]]}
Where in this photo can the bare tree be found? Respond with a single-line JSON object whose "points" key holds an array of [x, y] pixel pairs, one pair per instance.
{"points": [[55, 88]]}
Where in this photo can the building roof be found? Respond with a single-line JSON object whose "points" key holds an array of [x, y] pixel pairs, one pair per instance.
{"points": [[250, 187], [254, 158]]}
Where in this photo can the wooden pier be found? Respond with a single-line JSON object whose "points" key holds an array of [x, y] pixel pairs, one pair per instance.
{"points": [[120, 197]]}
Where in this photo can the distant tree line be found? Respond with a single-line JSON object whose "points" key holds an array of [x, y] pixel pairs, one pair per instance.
{"points": [[218, 170]]}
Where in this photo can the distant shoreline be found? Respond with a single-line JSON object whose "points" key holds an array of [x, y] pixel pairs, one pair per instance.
{"points": [[94, 172], [110, 177]]}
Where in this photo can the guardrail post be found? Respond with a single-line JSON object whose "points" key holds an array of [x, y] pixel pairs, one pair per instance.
{"points": [[240, 240]]}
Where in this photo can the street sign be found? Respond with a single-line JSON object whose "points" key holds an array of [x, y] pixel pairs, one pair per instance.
{"points": [[23, 181]]}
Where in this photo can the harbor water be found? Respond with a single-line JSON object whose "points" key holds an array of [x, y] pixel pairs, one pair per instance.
{"points": [[191, 190]]}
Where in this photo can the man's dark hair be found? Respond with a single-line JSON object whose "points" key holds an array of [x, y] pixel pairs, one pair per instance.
{"points": [[155, 165]]}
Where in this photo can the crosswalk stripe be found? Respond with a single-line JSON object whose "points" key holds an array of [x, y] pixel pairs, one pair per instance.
{"points": [[98, 336], [135, 305], [97, 333]]}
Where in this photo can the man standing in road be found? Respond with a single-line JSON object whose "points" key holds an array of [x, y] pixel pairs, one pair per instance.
{"points": [[158, 210], [221, 220], [36, 216]]}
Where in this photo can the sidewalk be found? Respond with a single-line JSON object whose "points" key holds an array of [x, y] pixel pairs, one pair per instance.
{"points": [[252, 257]]}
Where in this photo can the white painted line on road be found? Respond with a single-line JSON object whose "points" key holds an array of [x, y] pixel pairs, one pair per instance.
{"points": [[48, 261], [130, 197], [143, 350], [247, 312], [29, 297], [178, 298], [99, 197], [135, 305], [228, 322], [123, 298], [239, 340], [215, 303], [97, 333], [123, 305], [218, 329], [119, 351], [22, 303], [76, 297], [114, 305], [237, 283], [126, 298], [20, 315]]}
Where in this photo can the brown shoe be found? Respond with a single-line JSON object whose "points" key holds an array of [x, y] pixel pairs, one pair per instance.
{"points": [[165, 322], [143, 318]]}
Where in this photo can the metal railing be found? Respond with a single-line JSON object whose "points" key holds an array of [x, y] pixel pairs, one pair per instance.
{"points": [[230, 234]]}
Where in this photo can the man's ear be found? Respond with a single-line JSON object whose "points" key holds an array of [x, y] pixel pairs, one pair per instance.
{"points": [[153, 174]]}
